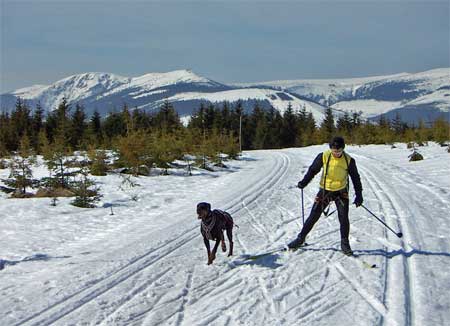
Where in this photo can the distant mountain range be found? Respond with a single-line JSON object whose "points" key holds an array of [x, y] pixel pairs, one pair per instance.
{"points": [[415, 96]]}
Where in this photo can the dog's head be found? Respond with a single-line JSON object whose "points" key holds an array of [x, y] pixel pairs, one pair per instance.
{"points": [[203, 210]]}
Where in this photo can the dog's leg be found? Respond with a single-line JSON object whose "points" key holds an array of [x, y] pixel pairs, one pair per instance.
{"points": [[208, 250], [224, 246], [214, 251], [230, 239]]}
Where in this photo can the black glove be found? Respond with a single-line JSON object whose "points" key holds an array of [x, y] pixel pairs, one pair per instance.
{"points": [[358, 200], [302, 184]]}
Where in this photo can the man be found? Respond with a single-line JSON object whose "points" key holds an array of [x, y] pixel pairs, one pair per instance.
{"points": [[212, 226], [337, 167]]}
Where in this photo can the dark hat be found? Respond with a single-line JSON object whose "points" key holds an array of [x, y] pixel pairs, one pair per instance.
{"points": [[337, 142], [203, 206]]}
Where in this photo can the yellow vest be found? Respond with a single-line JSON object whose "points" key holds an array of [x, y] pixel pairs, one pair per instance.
{"points": [[335, 171]]}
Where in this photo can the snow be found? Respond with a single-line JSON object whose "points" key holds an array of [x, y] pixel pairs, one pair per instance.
{"points": [[146, 264], [152, 81], [440, 98], [339, 91], [272, 96], [369, 108]]}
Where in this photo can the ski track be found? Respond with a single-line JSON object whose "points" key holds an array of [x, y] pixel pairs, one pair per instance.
{"points": [[414, 312], [263, 211], [391, 287], [75, 301]]}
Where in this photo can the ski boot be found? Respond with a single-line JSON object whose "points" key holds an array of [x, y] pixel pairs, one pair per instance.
{"points": [[297, 243], [345, 246]]}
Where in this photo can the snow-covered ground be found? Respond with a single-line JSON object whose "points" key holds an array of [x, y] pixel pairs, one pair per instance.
{"points": [[146, 264], [371, 107]]}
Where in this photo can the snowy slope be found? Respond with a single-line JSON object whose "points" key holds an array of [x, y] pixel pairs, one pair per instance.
{"points": [[424, 95], [146, 264], [278, 99]]}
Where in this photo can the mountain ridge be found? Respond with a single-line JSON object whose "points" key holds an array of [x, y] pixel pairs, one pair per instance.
{"points": [[415, 94]]}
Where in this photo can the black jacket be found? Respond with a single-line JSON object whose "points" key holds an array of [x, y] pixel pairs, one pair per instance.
{"points": [[317, 165]]}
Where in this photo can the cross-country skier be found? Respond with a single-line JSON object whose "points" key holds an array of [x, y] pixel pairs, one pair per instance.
{"points": [[336, 166]]}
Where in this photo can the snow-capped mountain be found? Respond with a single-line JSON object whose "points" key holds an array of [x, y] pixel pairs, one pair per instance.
{"points": [[416, 96], [183, 88], [424, 95]]}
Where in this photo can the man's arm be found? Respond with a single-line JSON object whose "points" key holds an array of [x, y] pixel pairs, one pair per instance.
{"points": [[315, 168], [356, 180]]}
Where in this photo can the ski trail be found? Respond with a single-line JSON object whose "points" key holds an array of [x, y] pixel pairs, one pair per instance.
{"points": [[394, 282], [413, 267], [261, 188], [75, 301]]}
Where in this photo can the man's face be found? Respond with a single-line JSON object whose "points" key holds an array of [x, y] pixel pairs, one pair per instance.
{"points": [[202, 213], [337, 152]]}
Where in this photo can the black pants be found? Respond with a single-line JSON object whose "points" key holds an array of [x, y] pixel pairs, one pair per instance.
{"points": [[323, 198]]}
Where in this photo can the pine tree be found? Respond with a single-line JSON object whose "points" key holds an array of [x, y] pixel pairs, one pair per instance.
{"points": [[20, 123], [290, 125], [87, 193], [94, 130], [259, 124], [441, 131], [98, 164], [21, 175], [134, 152], [37, 126], [114, 125], [327, 128], [167, 118], [57, 158], [165, 149], [77, 127]]}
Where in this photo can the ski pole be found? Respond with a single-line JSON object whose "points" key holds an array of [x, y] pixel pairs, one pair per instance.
{"points": [[398, 234], [303, 210]]}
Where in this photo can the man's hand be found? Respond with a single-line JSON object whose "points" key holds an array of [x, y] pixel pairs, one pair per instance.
{"points": [[358, 200], [302, 184]]}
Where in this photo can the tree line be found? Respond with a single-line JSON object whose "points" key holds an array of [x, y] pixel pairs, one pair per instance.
{"points": [[261, 128], [141, 140]]}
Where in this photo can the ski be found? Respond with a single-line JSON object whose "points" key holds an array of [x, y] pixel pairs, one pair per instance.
{"points": [[362, 261], [268, 253]]}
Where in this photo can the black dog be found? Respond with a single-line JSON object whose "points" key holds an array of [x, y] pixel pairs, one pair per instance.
{"points": [[212, 226]]}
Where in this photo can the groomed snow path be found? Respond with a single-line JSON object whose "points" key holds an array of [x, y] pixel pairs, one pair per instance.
{"points": [[150, 268]]}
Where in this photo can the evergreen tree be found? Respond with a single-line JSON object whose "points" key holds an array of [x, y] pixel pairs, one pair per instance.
{"points": [[290, 128], [78, 127], [21, 175], [167, 118], [259, 123], [165, 149], [20, 123], [6, 139], [94, 130], [327, 128], [114, 125], [134, 152], [58, 160], [441, 131], [85, 189], [97, 160], [37, 126]]}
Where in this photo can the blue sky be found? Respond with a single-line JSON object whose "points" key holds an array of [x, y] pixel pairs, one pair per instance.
{"points": [[228, 41]]}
